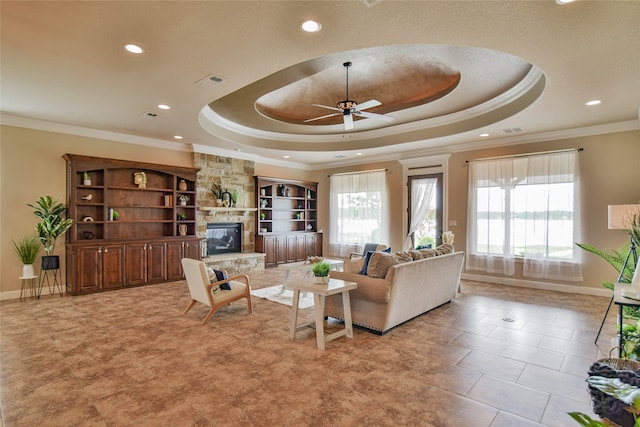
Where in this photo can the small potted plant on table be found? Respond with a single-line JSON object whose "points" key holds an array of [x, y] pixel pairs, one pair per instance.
{"points": [[321, 272]]}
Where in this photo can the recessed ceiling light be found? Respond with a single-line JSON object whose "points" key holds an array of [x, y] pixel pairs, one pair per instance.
{"points": [[484, 135], [593, 102], [177, 137], [163, 107], [358, 154], [133, 48], [311, 26], [286, 157], [561, 2]]}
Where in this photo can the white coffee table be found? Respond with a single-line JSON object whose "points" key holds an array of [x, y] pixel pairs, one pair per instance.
{"points": [[320, 293], [336, 264]]}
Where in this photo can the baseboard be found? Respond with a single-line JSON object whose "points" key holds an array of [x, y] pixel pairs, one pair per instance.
{"points": [[601, 292], [15, 294]]}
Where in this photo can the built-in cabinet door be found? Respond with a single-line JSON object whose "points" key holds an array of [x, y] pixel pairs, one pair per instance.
{"points": [[174, 257], [281, 249], [310, 243], [192, 250], [88, 268], [269, 249], [292, 248], [301, 248], [136, 262], [156, 262], [113, 275]]}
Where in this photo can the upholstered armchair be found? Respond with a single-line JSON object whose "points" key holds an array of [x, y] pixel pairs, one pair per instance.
{"points": [[215, 294]]}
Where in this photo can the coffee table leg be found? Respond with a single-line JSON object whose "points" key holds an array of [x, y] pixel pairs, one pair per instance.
{"points": [[318, 306], [294, 313], [346, 308], [284, 282]]}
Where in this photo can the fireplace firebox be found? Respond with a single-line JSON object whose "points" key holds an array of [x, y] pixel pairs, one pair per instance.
{"points": [[223, 237]]}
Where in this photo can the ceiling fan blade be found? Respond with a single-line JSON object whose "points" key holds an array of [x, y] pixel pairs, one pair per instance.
{"points": [[348, 122], [374, 116], [369, 104], [327, 107], [322, 117]]}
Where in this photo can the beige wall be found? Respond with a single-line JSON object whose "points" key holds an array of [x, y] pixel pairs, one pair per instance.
{"points": [[610, 174], [31, 166]]}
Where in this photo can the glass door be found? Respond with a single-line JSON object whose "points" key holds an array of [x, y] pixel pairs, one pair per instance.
{"points": [[426, 210]]}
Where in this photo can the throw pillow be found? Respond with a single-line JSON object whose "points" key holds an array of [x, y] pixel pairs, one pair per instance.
{"points": [[367, 258], [222, 275], [365, 265], [444, 248], [381, 262]]}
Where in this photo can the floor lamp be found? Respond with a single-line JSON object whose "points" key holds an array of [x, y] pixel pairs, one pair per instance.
{"points": [[620, 217]]}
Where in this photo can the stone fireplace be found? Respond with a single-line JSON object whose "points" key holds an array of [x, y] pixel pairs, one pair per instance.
{"points": [[232, 175]]}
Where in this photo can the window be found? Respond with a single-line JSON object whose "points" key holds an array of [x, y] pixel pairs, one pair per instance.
{"points": [[525, 208], [358, 211]]}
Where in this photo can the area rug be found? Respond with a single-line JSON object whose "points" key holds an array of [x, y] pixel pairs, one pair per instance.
{"points": [[286, 298]]}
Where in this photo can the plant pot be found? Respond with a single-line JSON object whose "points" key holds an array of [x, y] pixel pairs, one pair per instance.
{"points": [[86, 182], [323, 280], [50, 262], [28, 271]]}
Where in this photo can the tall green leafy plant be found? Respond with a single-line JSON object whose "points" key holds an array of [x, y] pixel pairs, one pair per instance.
{"points": [[616, 258], [53, 223]]}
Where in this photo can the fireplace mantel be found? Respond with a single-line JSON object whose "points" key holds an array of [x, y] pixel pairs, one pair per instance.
{"points": [[223, 209]]}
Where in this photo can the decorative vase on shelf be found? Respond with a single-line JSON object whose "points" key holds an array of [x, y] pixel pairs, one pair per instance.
{"points": [[182, 185], [182, 229]]}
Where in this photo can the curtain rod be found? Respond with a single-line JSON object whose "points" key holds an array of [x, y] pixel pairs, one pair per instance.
{"points": [[526, 154], [353, 173]]}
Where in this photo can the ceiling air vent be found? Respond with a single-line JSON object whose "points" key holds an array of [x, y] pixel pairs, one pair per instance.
{"points": [[512, 130], [148, 115], [210, 80]]}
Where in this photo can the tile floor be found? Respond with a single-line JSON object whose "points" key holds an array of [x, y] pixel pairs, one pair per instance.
{"points": [[130, 358]]}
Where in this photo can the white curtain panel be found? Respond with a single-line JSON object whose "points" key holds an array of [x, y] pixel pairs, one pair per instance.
{"points": [[526, 208], [422, 191], [358, 211]]}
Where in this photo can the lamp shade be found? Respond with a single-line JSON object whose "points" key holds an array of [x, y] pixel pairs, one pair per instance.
{"points": [[620, 216]]}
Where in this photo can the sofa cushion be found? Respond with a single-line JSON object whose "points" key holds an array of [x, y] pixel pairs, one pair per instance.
{"points": [[367, 258], [370, 289], [381, 261], [352, 266]]}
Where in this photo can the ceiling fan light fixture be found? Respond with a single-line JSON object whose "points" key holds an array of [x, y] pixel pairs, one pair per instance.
{"points": [[311, 26]]}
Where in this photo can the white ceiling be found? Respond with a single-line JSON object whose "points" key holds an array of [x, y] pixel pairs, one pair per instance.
{"points": [[64, 62]]}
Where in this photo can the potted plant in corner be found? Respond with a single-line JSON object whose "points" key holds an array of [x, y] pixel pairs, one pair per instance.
{"points": [[53, 224], [27, 250], [321, 272]]}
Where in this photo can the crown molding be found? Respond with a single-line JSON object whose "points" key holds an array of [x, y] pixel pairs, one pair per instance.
{"points": [[440, 145], [29, 123]]}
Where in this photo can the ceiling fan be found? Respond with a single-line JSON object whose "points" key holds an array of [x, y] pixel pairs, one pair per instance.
{"points": [[349, 108]]}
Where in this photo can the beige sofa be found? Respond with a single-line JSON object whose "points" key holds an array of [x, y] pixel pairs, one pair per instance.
{"points": [[408, 289]]}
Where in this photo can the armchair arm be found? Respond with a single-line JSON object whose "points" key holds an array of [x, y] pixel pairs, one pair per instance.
{"points": [[242, 277], [355, 254]]}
